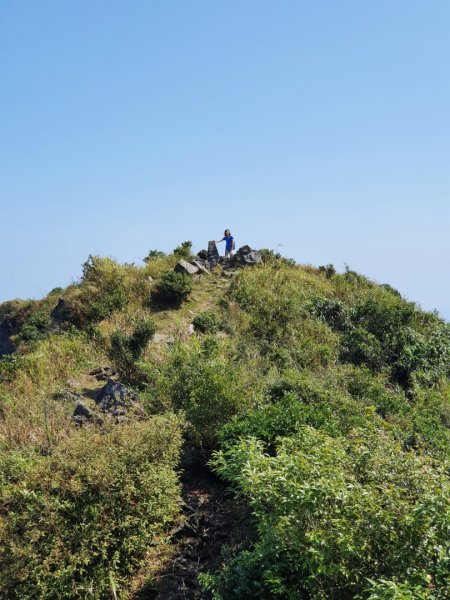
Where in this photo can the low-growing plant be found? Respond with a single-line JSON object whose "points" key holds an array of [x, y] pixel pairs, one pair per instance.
{"points": [[328, 270], [81, 521], [206, 322], [335, 512], [154, 255]]}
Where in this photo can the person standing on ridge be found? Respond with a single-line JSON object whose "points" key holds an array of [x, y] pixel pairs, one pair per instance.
{"points": [[229, 243]]}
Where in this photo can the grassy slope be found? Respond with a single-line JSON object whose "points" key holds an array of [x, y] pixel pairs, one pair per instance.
{"points": [[294, 363]]}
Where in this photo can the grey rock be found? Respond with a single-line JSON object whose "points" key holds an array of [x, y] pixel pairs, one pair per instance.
{"points": [[245, 256], [203, 254], [200, 266], [116, 400], [9, 326], [213, 253], [184, 267]]}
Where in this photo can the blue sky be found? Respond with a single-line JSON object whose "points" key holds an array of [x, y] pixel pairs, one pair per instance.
{"points": [[320, 128]]}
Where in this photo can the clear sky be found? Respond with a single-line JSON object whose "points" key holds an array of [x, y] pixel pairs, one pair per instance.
{"points": [[320, 129]]}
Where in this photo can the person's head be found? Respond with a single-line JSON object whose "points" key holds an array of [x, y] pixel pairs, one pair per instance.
{"points": [[227, 232]]}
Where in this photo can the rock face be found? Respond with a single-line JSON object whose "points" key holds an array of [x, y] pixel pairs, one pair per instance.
{"points": [[184, 267], [119, 402], [10, 323]]}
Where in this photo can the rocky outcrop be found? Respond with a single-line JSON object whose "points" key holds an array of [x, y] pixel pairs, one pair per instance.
{"points": [[245, 256], [119, 402], [12, 316], [114, 402]]}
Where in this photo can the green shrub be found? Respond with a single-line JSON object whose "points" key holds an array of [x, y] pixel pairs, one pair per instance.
{"points": [[172, 289], [36, 327], [154, 255], [201, 383], [184, 250], [127, 349], [82, 520], [334, 312], [206, 322], [334, 513], [328, 270], [270, 257], [102, 291]]}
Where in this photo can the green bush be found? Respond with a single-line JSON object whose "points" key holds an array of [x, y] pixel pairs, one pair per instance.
{"points": [[184, 250], [172, 289], [126, 350], [154, 255], [334, 513], [206, 322], [81, 520], [102, 291], [201, 384], [37, 327]]}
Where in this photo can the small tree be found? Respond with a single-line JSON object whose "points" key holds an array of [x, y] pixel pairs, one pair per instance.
{"points": [[184, 250]]}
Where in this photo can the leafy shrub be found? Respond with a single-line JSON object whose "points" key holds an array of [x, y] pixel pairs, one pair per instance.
{"points": [[334, 312], [270, 257], [127, 349], [206, 322], [328, 270], [35, 328], [154, 255], [202, 385], [82, 520], [184, 250], [335, 512], [172, 289]]}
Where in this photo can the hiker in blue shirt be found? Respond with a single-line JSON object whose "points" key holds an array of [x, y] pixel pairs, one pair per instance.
{"points": [[229, 243]]}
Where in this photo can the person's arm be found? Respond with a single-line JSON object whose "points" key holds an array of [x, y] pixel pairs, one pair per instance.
{"points": [[217, 241]]}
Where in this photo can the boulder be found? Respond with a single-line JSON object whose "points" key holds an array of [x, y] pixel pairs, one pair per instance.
{"points": [[203, 255], [118, 401], [184, 267], [200, 266]]}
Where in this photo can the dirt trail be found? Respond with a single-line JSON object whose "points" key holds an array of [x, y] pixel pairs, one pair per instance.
{"points": [[211, 518]]}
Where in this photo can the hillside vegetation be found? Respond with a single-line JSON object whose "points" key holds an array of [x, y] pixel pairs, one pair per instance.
{"points": [[321, 401]]}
